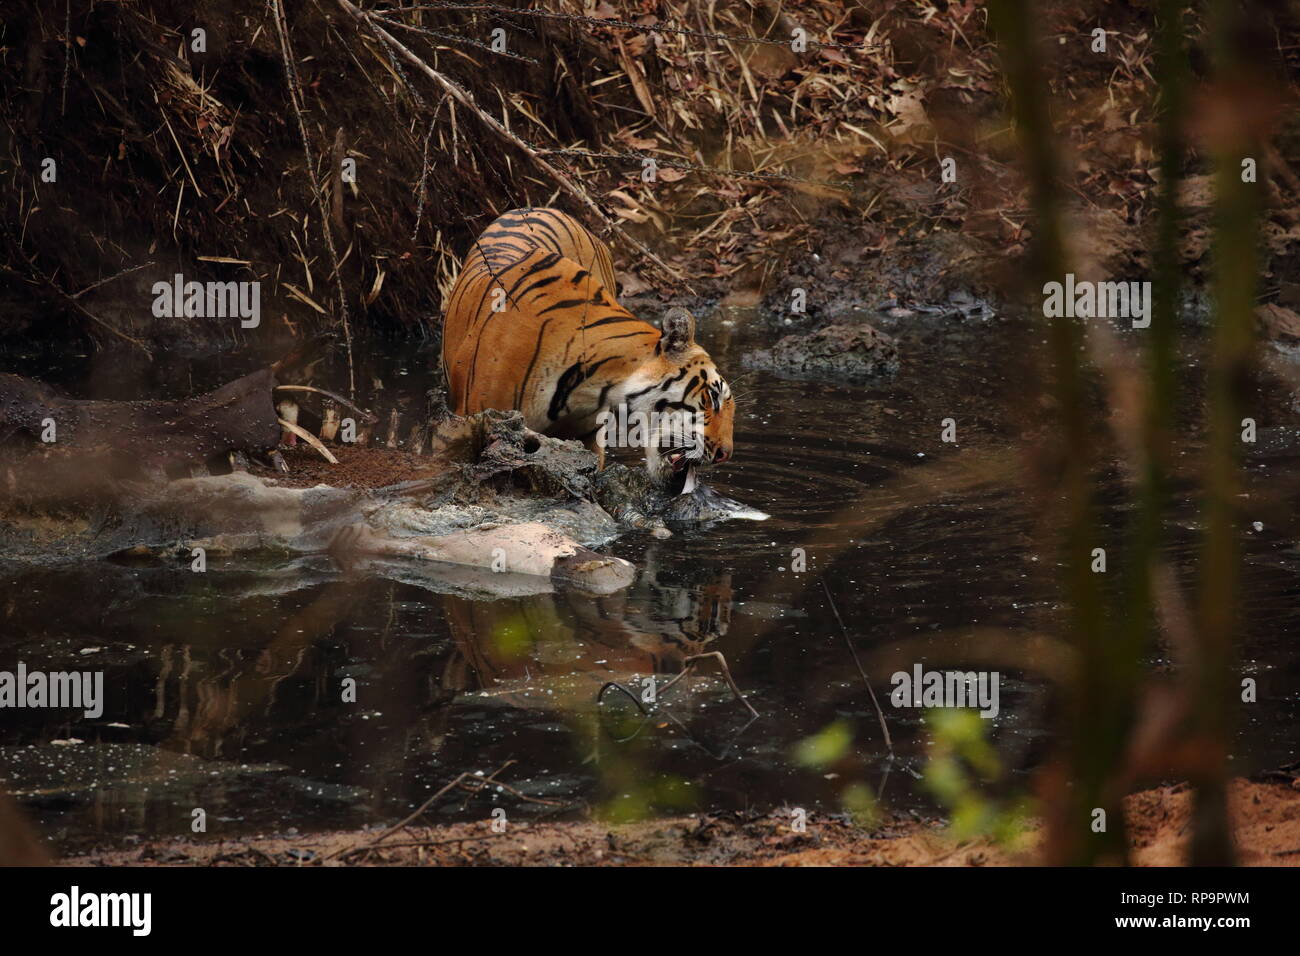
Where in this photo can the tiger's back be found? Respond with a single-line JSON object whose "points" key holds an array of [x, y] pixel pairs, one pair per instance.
{"points": [[516, 233], [530, 317], [532, 324]]}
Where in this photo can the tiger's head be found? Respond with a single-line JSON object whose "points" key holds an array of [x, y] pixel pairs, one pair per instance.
{"points": [[692, 407]]}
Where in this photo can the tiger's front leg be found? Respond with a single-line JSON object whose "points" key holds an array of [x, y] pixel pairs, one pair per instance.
{"points": [[596, 447]]}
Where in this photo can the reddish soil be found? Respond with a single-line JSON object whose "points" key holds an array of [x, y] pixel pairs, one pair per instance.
{"points": [[369, 467], [1266, 818]]}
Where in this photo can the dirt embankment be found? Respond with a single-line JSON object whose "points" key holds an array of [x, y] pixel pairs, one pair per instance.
{"points": [[300, 147], [874, 169], [1266, 818]]}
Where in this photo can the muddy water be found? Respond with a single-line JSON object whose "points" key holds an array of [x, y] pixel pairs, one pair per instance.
{"points": [[224, 691]]}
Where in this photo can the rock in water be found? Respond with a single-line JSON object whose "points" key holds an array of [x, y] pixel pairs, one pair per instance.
{"points": [[850, 353]]}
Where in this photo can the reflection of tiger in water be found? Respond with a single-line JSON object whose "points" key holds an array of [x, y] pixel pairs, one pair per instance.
{"points": [[650, 628], [532, 324]]}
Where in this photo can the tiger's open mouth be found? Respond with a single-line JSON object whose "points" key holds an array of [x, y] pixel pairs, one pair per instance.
{"points": [[682, 464]]}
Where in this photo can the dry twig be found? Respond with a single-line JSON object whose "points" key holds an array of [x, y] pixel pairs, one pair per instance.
{"points": [[466, 99], [295, 100], [880, 715]]}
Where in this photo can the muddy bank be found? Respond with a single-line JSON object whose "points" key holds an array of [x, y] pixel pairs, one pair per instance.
{"points": [[848, 278], [837, 353], [1266, 818]]}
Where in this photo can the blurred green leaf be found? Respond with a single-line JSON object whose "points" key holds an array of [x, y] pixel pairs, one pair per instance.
{"points": [[825, 747]]}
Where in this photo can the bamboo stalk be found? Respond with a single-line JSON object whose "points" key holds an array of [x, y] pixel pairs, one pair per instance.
{"points": [[1235, 238], [1162, 339], [1095, 713]]}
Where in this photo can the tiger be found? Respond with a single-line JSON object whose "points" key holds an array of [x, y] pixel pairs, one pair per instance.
{"points": [[532, 324], [652, 627]]}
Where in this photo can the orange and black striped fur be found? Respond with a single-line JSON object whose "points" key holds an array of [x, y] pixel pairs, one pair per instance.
{"points": [[532, 324]]}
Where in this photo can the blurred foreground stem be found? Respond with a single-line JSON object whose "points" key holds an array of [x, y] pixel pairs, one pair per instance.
{"points": [[1212, 680], [1097, 714]]}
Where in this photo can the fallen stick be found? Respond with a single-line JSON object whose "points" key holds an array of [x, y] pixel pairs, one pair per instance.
{"points": [[310, 439], [690, 663], [466, 99], [880, 715], [476, 784], [370, 416], [617, 686], [425, 843], [402, 823], [53, 287], [295, 99]]}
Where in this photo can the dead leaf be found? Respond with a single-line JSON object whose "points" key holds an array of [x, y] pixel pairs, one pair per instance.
{"points": [[639, 86], [912, 123], [1196, 192], [1277, 322], [633, 284], [374, 289], [637, 142]]}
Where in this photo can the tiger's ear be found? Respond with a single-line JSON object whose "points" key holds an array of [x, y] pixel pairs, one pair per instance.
{"points": [[678, 331]]}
